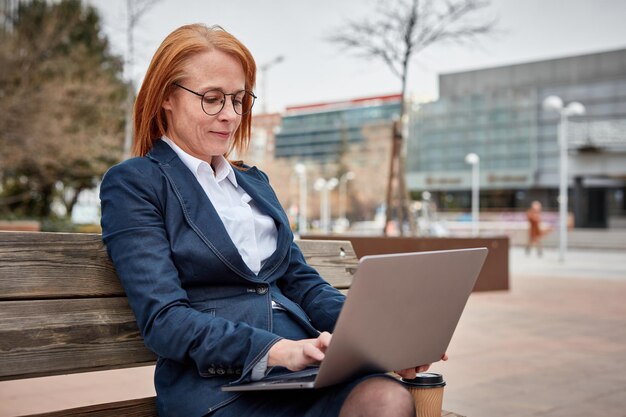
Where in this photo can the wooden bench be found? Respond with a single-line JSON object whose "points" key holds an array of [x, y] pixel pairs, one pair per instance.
{"points": [[63, 310]]}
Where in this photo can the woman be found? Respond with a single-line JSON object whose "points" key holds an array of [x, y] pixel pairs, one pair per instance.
{"points": [[205, 252]]}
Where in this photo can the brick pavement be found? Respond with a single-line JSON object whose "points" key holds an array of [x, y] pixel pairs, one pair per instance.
{"points": [[552, 346]]}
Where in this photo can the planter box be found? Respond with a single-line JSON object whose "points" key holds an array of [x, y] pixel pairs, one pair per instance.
{"points": [[493, 277]]}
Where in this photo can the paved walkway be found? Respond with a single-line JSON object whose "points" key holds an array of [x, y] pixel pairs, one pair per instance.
{"points": [[552, 346]]}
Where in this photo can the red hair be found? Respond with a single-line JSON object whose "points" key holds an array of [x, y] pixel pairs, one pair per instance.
{"points": [[166, 68]]}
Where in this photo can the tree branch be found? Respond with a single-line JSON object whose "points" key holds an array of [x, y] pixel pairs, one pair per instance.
{"points": [[402, 30]]}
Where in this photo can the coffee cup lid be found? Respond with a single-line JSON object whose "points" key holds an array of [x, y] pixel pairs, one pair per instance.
{"points": [[426, 380]]}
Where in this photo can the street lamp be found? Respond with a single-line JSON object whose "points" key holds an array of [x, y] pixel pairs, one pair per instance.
{"points": [[343, 188], [300, 169], [263, 69], [474, 161], [555, 103], [324, 187]]}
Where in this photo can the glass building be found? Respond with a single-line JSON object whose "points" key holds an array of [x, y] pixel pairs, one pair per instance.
{"points": [[322, 132], [348, 140], [497, 113]]}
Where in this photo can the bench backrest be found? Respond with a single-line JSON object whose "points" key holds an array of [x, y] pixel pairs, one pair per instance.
{"points": [[63, 310]]}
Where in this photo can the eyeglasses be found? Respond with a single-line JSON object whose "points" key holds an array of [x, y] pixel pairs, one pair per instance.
{"points": [[213, 101]]}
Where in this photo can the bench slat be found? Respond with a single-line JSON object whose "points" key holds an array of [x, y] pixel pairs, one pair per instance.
{"points": [[70, 265], [336, 261], [141, 407], [55, 265], [52, 337]]}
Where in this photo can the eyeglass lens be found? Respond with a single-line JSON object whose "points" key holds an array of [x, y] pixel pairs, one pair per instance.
{"points": [[213, 102]]}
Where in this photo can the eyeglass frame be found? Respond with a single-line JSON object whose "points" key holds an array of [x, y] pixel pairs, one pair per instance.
{"points": [[232, 100]]}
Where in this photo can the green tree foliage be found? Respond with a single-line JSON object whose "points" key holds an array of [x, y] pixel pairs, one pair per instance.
{"points": [[61, 106]]}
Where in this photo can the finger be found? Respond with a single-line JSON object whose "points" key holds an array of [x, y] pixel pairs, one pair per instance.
{"points": [[312, 352], [422, 368], [445, 356], [407, 373], [324, 339]]}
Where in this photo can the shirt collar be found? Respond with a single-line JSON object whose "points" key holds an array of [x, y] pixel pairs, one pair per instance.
{"points": [[223, 168]]}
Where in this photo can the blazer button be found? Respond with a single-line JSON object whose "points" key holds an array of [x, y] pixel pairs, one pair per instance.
{"points": [[221, 371], [261, 290], [211, 371]]}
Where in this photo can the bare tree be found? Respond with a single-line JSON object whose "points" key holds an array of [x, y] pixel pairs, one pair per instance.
{"points": [[401, 30]]}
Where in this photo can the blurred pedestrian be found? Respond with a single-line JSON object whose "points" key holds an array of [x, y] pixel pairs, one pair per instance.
{"points": [[535, 233]]}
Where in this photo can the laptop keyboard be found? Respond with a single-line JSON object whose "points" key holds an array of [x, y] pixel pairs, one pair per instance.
{"points": [[288, 378], [305, 375]]}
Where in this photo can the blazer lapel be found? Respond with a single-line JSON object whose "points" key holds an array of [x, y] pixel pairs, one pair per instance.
{"points": [[198, 209], [265, 199]]}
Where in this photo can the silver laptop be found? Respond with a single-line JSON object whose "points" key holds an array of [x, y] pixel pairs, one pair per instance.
{"points": [[401, 311]]}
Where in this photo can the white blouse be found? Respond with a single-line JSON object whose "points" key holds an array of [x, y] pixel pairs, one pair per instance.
{"points": [[253, 233]]}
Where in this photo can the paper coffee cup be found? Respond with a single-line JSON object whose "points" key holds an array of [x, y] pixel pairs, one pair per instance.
{"points": [[427, 391]]}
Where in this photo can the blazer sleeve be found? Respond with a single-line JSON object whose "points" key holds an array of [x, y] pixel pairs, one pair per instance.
{"points": [[303, 285], [136, 239]]}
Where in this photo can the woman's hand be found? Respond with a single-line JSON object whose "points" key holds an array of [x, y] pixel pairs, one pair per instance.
{"points": [[410, 373], [296, 355]]}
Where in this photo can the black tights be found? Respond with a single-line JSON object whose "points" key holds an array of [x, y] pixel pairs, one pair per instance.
{"points": [[378, 397]]}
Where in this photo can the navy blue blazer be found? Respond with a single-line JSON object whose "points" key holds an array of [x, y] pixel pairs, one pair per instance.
{"points": [[198, 306]]}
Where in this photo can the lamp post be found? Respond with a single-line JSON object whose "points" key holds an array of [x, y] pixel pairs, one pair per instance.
{"points": [[343, 188], [302, 210], [555, 103], [324, 187], [474, 161], [263, 70]]}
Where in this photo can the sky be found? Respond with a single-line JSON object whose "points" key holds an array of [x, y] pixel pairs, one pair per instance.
{"points": [[314, 70]]}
